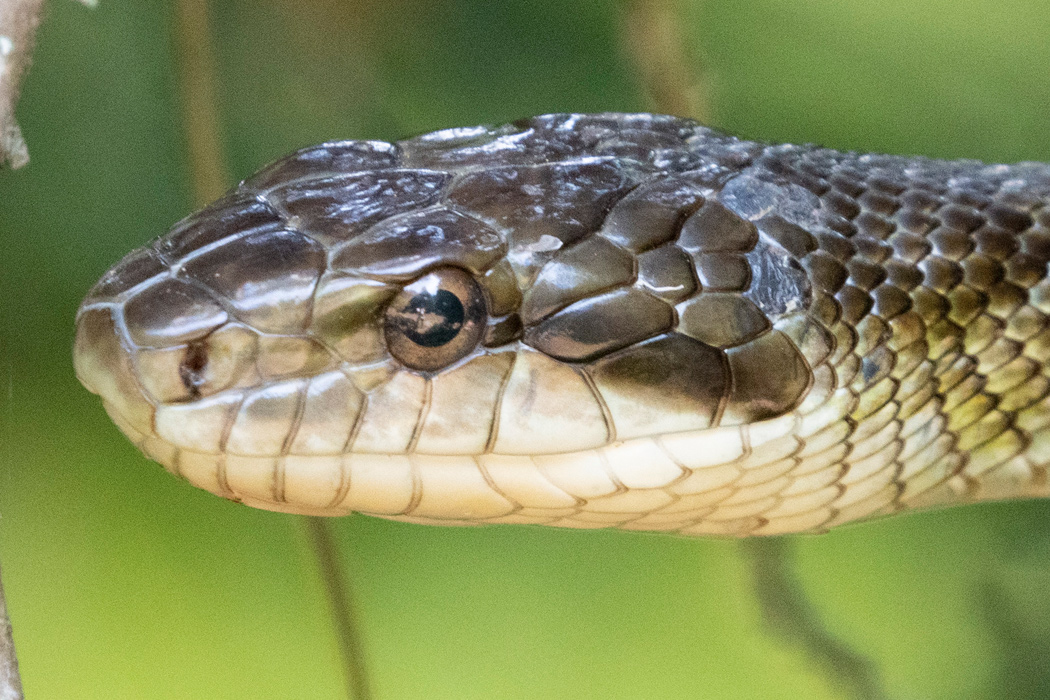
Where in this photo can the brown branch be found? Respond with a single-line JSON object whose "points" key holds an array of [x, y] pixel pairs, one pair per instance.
{"points": [[671, 76], [18, 22], [10, 681]]}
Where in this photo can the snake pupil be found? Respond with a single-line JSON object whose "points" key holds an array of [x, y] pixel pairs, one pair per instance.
{"points": [[432, 319]]}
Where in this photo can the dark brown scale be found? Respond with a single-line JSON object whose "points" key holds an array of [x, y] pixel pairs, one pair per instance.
{"points": [[1025, 271], [920, 200], [237, 214], [723, 272], [338, 208], [791, 237], [325, 160], [843, 205], [586, 269], [982, 272], [966, 304], [970, 197], [877, 202], [715, 229], [903, 275], [827, 273], [268, 277], [504, 331], [404, 247], [889, 301], [668, 273], [172, 312], [848, 181], [721, 320], [839, 224], [504, 296], [1005, 299], [1036, 242], [865, 275], [874, 225], [930, 305], [909, 248], [599, 325], [951, 244], [887, 184], [545, 206], [855, 304], [872, 250], [1008, 217], [842, 249], [769, 378], [651, 215], [995, 241], [914, 221], [941, 274], [672, 374], [137, 267]]}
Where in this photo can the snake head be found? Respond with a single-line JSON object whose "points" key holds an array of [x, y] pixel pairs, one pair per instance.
{"points": [[521, 324]]}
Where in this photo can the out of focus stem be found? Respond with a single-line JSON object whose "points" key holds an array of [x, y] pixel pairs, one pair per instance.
{"points": [[341, 606], [672, 76], [195, 66]]}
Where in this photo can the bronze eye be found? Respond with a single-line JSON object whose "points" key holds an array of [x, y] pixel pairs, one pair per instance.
{"points": [[435, 320]]}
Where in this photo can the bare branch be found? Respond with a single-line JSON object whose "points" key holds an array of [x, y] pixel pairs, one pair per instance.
{"points": [[10, 681], [18, 22]]}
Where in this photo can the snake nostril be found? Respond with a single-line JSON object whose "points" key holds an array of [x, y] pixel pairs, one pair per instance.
{"points": [[192, 368]]}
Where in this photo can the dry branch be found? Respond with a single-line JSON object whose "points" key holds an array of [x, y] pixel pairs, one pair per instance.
{"points": [[19, 20]]}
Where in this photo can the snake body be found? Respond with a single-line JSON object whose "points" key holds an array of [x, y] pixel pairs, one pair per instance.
{"points": [[612, 320]]}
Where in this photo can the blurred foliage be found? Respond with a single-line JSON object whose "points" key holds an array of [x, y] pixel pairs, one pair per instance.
{"points": [[124, 583]]}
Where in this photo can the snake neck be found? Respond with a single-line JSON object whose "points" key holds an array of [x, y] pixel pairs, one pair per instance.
{"points": [[930, 280]]}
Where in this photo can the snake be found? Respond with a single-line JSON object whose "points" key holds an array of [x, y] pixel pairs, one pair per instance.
{"points": [[609, 320]]}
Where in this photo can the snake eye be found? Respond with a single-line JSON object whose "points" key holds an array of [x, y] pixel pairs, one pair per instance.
{"points": [[435, 320]]}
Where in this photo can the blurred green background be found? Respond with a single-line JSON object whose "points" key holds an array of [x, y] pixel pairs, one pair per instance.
{"points": [[124, 583]]}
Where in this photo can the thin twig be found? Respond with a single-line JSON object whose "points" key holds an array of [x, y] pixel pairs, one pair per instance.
{"points": [[10, 681], [789, 614], [18, 22], [318, 530], [195, 65], [671, 75]]}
